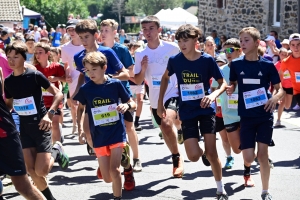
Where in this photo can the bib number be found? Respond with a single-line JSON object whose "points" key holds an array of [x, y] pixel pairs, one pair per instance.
{"points": [[191, 91], [233, 101], [255, 98], [46, 93], [105, 114], [286, 75], [156, 80], [57, 41], [297, 77], [218, 101], [25, 106]]}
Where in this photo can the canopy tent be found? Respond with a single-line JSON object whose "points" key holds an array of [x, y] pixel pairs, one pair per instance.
{"points": [[30, 13], [175, 18]]}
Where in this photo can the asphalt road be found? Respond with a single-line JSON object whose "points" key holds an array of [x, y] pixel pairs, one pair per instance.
{"points": [[80, 182]]}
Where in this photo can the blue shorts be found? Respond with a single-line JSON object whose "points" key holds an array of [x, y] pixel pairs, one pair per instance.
{"points": [[256, 129]]}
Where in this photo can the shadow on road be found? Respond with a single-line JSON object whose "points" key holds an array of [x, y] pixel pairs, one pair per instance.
{"points": [[76, 180], [289, 163], [161, 161], [143, 141], [10, 195]]}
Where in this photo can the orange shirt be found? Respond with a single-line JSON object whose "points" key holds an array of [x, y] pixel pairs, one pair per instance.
{"points": [[285, 81], [293, 65]]}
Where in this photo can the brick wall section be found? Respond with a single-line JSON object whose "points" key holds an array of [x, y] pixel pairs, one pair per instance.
{"points": [[242, 13]]}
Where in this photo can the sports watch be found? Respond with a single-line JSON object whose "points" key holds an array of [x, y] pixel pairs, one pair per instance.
{"points": [[52, 112]]}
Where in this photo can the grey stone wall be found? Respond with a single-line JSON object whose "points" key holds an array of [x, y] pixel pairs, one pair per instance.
{"points": [[237, 14]]}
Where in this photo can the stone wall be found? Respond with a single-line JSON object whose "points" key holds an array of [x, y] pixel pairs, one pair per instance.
{"points": [[237, 14]]}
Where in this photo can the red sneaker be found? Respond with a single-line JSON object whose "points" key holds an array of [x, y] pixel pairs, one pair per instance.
{"points": [[248, 181], [99, 173], [129, 183]]}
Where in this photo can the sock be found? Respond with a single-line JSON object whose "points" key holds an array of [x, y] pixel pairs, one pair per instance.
{"points": [[136, 121], [128, 169], [247, 171], [55, 154], [47, 193], [175, 157], [220, 187], [265, 192]]}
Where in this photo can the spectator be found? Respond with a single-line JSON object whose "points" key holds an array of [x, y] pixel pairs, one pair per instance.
{"points": [[262, 51], [271, 48], [3, 37], [210, 47], [71, 16], [122, 36], [42, 22], [277, 41], [173, 37], [78, 17], [30, 28], [44, 32], [45, 40], [56, 37], [30, 49], [223, 39], [285, 44], [214, 34], [36, 33]]}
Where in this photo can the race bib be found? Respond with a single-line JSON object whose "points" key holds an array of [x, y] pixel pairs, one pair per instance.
{"points": [[156, 82], [286, 74], [46, 93], [233, 101], [297, 77], [25, 106], [105, 114], [57, 42], [218, 101], [255, 98], [191, 91]]}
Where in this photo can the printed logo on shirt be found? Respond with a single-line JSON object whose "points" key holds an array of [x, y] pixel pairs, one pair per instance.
{"points": [[242, 73], [260, 74], [190, 77]]}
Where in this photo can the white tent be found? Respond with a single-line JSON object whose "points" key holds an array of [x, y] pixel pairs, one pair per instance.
{"points": [[31, 13], [175, 18]]}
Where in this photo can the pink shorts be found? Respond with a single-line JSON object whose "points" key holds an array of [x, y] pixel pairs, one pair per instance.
{"points": [[106, 150]]}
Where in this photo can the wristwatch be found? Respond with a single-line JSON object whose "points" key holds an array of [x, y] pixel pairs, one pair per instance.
{"points": [[129, 106], [52, 112]]}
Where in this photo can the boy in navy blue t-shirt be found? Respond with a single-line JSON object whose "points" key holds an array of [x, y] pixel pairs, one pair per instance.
{"points": [[193, 70], [253, 74], [101, 97]]}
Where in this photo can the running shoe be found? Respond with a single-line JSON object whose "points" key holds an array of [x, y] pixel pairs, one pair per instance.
{"points": [[229, 162], [205, 160], [129, 183], [296, 107], [180, 137], [90, 150], [278, 123], [137, 165], [248, 181], [138, 128], [222, 196], [266, 196], [271, 163], [125, 162], [99, 175], [63, 159], [178, 170]]}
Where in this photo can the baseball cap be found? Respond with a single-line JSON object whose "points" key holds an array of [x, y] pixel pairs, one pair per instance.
{"points": [[294, 36], [270, 37], [221, 59], [285, 41], [35, 26], [72, 23]]}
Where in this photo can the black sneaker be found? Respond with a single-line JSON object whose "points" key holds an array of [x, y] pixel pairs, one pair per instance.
{"points": [[266, 196], [138, 128], [205, 160], [90, 150], [222, 196]]}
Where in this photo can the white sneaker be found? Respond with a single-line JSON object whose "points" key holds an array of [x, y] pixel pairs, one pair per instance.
{"points": [[278, 123], [296, 107]]}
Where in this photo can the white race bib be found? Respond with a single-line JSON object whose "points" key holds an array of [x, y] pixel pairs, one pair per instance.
{"points": [[46, 93], [156, 82], [255, 98], [286, 74], [105, 114], [191, 91], [218, 101], [233, 101], [57, 42], [297, 77], [25, 106]]}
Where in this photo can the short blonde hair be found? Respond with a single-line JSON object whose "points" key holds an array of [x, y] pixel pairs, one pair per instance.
{"points": [[110, 22], [253, 32], [95, 58]]}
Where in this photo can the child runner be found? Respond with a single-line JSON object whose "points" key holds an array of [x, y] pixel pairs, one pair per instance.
{"points": [[30, 46], [196, 105], [23, 93], [101, 99], [55, 73], [253, 74]]}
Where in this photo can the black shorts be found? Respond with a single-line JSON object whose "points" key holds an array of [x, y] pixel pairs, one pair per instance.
{"points": [[297, 97], [190, 128], [11, 156], [33, 137], [256, 129], [288, 90], [57, 112], [171, 103], [128, 116], [219, 124], [232, 127]]}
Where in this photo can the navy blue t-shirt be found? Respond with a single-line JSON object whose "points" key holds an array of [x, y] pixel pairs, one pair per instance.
{"points": [[194, 72], [113, 63], [109, 93], [252, 75]]}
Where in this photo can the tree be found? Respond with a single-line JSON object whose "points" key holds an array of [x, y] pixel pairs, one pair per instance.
{"points": [[151, 7], [118, 7]]}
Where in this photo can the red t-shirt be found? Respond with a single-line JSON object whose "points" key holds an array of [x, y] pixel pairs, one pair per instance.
{"points": [[57, 70]]}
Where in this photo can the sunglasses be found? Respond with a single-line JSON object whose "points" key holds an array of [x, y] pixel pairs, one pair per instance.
{"points": [[230, 50]]}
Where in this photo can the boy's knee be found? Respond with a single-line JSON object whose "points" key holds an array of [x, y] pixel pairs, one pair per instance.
{"points": [[194, 157], [42, 172]]}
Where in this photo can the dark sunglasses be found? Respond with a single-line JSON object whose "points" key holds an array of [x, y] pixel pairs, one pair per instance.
{"points": [[230, 50]]}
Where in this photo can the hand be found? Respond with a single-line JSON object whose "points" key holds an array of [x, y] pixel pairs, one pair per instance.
{"points": [[69, 79], [46, 123], [271, 104], [161, 111], [52, 79], [271, 43], [207, 101], [81, 137], [122, 108], [144, 62], [229, 90]]}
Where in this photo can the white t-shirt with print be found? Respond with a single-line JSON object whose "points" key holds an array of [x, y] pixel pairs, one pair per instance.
{"points": [[157, 64], [68, 51]]}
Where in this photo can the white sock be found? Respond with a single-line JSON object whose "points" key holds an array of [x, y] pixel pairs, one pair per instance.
{"points": [[265, 191], [220, 187]]}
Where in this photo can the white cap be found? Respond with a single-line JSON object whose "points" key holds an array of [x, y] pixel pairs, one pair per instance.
{"points": [[270, 37], [285, 41], [294, 36]]}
